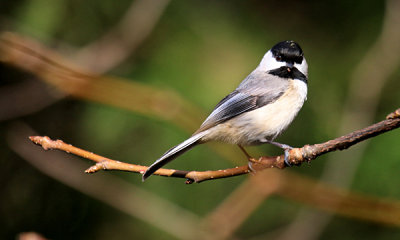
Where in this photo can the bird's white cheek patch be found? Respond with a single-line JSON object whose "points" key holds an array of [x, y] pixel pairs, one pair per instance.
{"points": [[303, 67], [269, 63]]}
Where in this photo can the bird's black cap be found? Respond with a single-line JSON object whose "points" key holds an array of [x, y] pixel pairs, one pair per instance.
{"points": [[288, 51]]}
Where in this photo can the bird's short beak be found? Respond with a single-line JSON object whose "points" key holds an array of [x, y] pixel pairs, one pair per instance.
{"points": [[289, 66]]}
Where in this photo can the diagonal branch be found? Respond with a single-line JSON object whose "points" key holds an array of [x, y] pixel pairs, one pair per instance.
{"points": [[296, 156], [120, 41]]}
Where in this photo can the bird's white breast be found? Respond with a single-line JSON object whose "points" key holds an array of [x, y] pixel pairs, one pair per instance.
{"points": [[266, 122]]}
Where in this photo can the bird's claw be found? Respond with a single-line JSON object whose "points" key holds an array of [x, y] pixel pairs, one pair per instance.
{"points": [[250, 165], [286, 159]]}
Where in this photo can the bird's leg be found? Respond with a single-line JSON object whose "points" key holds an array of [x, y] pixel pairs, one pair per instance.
{"points": [[245, 152], [251, 159], [280, 145]]}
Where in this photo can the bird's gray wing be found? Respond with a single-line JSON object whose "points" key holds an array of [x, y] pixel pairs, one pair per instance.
{"points": [[246, 98]]}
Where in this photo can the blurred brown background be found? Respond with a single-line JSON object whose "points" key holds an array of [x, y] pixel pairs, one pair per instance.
{"points": [[165, 66]]}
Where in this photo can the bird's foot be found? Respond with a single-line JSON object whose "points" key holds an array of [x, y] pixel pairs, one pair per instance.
{"points": [[285, 147], [250, 164], [250, 159], [286, 159]]}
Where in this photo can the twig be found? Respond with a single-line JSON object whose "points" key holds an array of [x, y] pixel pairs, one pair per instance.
{"points": [[104, 163], [296, 155], [310, 152]]}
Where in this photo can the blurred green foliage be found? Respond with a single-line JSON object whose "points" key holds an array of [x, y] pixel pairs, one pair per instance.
{"points": [[202, 50]]}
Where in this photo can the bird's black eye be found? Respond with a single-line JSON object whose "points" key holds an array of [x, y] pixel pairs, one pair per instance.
{"points": [[278, 58]]}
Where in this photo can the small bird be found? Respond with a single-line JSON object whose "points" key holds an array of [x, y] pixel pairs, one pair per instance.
{"points": [[258, 110]]}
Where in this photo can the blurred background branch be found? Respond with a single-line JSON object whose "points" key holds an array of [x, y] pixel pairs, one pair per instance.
{"points": [[117, 44], [73, 80], [201, 50], [100, 56]]}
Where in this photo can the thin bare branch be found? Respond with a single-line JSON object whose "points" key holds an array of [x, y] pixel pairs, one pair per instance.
{"points": [[103, 163], [296, 155], [310, 152], [316, 194]]}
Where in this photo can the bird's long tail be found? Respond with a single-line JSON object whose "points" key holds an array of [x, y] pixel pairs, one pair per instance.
{"points": [[173, 153]]}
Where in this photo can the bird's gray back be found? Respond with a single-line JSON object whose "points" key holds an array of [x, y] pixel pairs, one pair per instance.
{"points": [[255, 91]]}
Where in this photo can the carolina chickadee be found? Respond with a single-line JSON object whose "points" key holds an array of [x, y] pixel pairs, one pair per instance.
{"points": [[258, 110]]}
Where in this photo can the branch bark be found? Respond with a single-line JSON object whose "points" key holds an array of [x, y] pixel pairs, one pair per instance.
{"points": [[296, 155]]}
